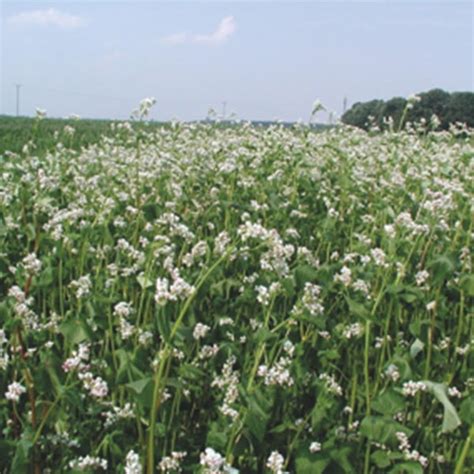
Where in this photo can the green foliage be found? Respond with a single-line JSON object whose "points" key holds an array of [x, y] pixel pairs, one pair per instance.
{"points": [[448, 107], [266, 293]]}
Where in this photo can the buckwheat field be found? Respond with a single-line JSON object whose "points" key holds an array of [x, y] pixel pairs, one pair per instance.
{"points": [[205, 298]]}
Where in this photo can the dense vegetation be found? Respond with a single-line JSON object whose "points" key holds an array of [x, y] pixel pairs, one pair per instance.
{"points": [[238, 299], [447, 108], [16, 132]]}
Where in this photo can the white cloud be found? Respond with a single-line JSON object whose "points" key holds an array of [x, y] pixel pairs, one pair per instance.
{"points": [[48, 17], [225, 29]]}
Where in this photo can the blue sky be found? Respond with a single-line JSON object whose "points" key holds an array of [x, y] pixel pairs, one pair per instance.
{"points": [[265, 59]]}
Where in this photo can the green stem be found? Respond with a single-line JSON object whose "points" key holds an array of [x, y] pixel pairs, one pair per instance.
{"points": [[154, 411], [366, 367], [159, 381], [465, 451], [261, 348], [44, 420]]}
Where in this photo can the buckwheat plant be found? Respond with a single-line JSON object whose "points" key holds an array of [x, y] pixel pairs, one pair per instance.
{"points": [[231, 298]]}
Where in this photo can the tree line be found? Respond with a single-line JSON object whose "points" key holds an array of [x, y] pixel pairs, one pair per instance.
{"points": [[447, 107]]}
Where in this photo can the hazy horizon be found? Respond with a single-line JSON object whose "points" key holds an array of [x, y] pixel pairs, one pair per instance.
{"points": [[265, 60]]}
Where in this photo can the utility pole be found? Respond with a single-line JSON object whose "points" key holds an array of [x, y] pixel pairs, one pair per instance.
{"points": [[224, 105], [17, 99], [344, 105]]}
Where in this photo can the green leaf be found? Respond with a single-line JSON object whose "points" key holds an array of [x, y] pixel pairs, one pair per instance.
{"points": [[45, 278], [321, 410], [381, 428], [52, 368], [388, 403], [30, 231], [307, 463], [263, 335], [7, 448], [450, 418], [217, 437], [411, 294], [191, 372], [341, 457], [305, 274], [441, 268], [163, 324], [75, 331], [288, 285], [357, 309], [143, 390], [380, 458], [466, 282], [21, 461], [257, 416], [151, 211], [416, 348], [466, 411], [139, 385], [144, 282], [4, 312], [407, 468]]}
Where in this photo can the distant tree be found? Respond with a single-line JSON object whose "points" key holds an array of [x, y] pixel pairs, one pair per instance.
{"points": [[358, 115], [433, 102], [449, 108], [460, 108], [393, 108]]}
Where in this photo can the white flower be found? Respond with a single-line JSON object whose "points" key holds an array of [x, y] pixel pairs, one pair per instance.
{"points": [[421, 277], [200, 331], [145, 107], [97, 386], [390, 230], [118, 413], [454, 392], [88, 463], [331, 384], [314, 447], [162, 294], [392, 372], [82, 286], [410, 388], [212, 461], [263, 295], [126, 329], [14, 391], [172, 463], [278, 373], [31, 264], [353, 330], [344, 276], [40, 113], [275, 462], [413, 98], [133, 465], [122, 309], [311, 300]]}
